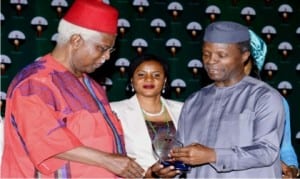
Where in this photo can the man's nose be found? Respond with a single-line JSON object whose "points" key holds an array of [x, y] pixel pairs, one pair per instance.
{"points": [[212, 59], [105, 56]]}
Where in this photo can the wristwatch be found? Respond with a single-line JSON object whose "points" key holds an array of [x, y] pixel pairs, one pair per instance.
{"points": [[298, 170]]}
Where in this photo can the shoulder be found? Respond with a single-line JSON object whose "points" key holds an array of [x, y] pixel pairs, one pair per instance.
{"points": [[29, 80], [256, 83], [262, 95], [27, 73], [119, 103], [171, 102], [262, 88], [125, 103]]}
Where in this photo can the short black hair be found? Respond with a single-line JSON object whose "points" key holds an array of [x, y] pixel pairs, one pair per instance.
{"points": [[244, 46]]}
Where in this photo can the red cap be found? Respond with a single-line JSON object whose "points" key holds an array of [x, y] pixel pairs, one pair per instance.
{"points": [[93, 15]]}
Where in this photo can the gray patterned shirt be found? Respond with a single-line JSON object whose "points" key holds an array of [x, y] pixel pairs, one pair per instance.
{"points": [[243, 123]]}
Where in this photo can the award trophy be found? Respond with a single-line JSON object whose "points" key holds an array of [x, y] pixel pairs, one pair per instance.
{"points": [[162, 144]]}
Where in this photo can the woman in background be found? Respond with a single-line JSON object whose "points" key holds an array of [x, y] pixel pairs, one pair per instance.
{"points": [[147, 114]]}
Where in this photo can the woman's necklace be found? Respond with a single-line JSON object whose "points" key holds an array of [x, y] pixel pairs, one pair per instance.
{"points": [[166, 122], [162, 110]]}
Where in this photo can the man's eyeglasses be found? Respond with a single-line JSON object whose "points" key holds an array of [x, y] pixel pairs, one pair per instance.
{"points": [[105, 49], [102, 48]]}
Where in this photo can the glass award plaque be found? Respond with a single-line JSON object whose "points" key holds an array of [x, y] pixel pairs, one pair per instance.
{"points": [[162, 144]]}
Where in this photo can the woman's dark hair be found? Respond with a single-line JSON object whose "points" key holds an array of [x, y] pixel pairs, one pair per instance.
{"points": [[254, 72], [245, 46], [137, 61]]}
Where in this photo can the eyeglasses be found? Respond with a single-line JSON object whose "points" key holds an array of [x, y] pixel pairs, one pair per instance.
{"points": [[105, 49], [102, 48]]}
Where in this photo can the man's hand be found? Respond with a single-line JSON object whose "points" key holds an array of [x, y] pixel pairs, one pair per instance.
{"points": [[288, 171], [120, 165], [124, 166], [158, 170], [194, 154]]}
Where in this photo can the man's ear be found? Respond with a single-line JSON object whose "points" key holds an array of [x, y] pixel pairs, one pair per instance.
{"points": [[248, 66], [76, 40], [245, 56]]}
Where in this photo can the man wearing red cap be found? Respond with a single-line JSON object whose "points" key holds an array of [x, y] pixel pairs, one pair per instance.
{"points": [[58, 120]]}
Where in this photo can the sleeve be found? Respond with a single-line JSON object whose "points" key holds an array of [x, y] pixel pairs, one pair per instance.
{"points": [[42, 134], [287, 152], [263, 151]]}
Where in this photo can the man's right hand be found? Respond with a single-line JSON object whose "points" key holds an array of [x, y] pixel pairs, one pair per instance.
{"points": [[124, 166], [120, 165]]}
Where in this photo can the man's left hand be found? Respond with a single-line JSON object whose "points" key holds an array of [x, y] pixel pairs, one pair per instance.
{"points": [[194, 154]]}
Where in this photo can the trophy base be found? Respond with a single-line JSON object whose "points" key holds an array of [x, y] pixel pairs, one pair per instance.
{"points": [[177, 164]]}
